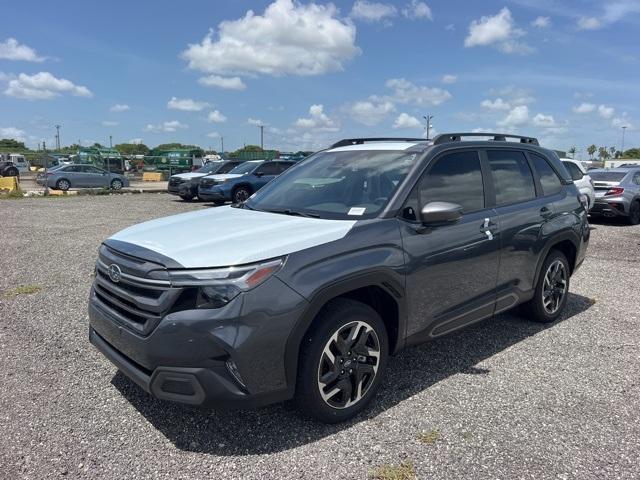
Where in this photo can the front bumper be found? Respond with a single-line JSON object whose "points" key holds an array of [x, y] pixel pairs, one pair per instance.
{"points": [[213, 194], [174, 189], [186, 357]]}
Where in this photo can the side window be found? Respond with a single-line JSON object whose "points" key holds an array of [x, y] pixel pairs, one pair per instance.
{"points": [[548, 178], [72, 168], [512, 176], [227, 167], [284, 166], [574, 171], [270, 168], [93, 170], [456, 178]]}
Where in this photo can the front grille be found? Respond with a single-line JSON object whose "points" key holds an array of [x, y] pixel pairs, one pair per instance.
{"points": [[173, 181], [141, 297]]}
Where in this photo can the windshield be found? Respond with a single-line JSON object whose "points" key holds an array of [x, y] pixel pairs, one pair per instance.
{"points": [[606, 176], [337, 185], [209, 167], [245, 167]]}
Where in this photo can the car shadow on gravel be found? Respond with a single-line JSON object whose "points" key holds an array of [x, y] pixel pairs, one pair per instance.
{"points": [[279, 427]]}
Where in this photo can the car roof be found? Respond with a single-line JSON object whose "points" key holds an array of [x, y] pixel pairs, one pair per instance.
{"points": [[397, 146]]}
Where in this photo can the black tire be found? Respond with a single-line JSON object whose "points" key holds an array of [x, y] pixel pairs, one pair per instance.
{"points": [[12, 172], [186, 198], [240, 194], [341, 316], [634, 213], [116, 184], [550, 290], [63, 184]]}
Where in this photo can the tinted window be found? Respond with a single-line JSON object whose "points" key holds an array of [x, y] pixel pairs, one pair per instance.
{"points": [[455, 178], [208, 167], [574, 171], [636, 178], [93, 170], [603, 176], [285, 165], [72, 168], [243, 168], [270, 168], [227, 167], [548, 178], [512, 176]]}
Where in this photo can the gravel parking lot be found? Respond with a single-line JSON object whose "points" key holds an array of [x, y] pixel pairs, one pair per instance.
{"points": [[504, 399]]}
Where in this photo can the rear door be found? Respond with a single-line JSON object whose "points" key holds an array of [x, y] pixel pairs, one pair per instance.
{"points": [[451, 269], [523, 211]]}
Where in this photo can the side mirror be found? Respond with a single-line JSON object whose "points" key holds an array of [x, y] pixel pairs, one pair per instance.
{"points": [[259, 174], [440, 212]]}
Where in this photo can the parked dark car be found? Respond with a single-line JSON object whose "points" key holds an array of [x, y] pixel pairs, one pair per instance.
{"points": [[307, 288], [241, 182], [8, 169], [81, 176], [186, 184]]}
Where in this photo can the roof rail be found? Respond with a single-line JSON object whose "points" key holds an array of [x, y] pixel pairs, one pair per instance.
{"points": [[497, 137], [359, 141]]}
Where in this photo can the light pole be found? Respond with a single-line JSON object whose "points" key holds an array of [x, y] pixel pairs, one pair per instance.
{"points": [[46, 181], [221, 146], [110, 141], [624, 128], [428, 118], [57, 136], [261, 127]]}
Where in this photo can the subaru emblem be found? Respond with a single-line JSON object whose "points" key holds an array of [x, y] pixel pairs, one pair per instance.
{"points": [[115, 274]]}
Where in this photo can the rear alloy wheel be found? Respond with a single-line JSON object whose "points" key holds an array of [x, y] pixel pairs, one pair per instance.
{"points": [[63, 184], [241, 194], [116, 184], [342, 361], [634, 213], [552, 289]]}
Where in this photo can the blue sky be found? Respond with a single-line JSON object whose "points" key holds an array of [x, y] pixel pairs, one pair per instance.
{"points": [[314, 72]]}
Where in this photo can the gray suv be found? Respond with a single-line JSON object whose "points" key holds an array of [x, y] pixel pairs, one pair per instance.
{"points": [[306, 289]]}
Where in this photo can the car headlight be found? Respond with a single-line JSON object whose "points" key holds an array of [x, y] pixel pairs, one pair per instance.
{"points": [[218, 286]]}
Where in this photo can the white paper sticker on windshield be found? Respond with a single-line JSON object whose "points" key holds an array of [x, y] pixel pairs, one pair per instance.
{"points": [[357, 210]]}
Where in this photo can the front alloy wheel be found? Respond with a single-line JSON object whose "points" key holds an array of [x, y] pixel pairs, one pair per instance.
{"points": [[349, 364], [241, 195]]}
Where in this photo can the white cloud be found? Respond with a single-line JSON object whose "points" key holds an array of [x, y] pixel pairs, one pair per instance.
{"points": [[495, 105], [589, 23], [370, 112], [449, 79], [186, 104], [136, 141], [109, 123], [518, 116], [13, 133], [544, 121], [405, 120], [372, 11], [228, 83], [498, 31], [43, 86], [606, 112], [515, 95], [216, 117], [288, 38], [584, 107], [407, 92], [120, 107], [541, 22], [171, 126], [317, 120], [416, 10], [10, 49], [254, 121], [213, 135]]}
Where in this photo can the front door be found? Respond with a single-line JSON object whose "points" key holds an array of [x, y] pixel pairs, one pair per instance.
{"points": [[264, 174], [451, 269]]}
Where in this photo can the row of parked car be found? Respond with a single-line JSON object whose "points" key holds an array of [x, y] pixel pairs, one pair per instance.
{"points": [[611, 192], [226, 180]]}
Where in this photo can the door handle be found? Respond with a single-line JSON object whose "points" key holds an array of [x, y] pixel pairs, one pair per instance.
{"points": [[545, 212], [486, 227]]}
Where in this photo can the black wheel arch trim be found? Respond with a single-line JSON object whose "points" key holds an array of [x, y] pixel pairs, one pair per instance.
{"points": [[372, 278], [551, 243]]}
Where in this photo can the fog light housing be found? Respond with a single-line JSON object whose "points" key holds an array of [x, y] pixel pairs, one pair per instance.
{"points": [[233, 370]]}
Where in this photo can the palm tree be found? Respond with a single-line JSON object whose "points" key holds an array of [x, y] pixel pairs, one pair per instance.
{"points": [[591, 149], [572, 151]]}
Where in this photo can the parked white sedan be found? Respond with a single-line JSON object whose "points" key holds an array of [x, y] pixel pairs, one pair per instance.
{"points": [[581, 179]]}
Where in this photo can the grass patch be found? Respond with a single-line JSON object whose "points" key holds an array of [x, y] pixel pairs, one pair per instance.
{"points": [[404, 471], [430, 437], [12, 194], [22, 290]]}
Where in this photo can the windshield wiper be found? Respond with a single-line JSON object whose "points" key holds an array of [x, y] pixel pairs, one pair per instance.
{"points": [[295, 213]]}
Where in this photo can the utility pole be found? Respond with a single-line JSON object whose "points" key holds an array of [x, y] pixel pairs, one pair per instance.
{"points": [[428, 118], [110, 141], [624, 128], [57, 137], [261, 127], [221, 146], [46, 182]]}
